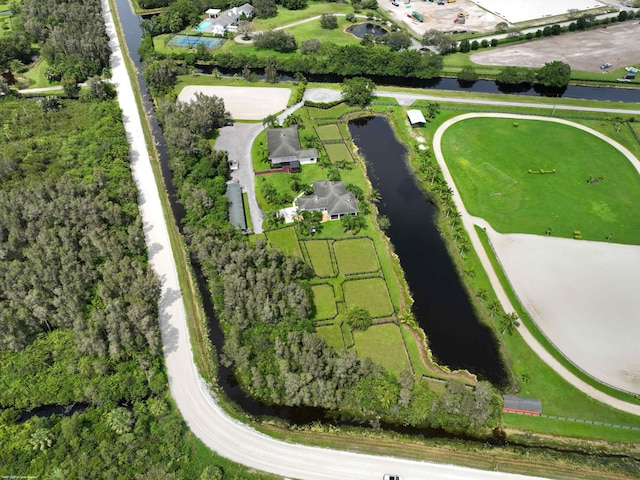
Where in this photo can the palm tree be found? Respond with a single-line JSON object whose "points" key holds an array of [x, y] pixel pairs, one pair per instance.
{"points": [[493, 307], [358, 318], [374, 196], [509, 323], [482, 293], [41, 439], [271, 121], [120, 420]]}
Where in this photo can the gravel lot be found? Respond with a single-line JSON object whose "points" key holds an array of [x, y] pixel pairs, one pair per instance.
{"points": [[586, 51], [244, 103], [515, 11]]}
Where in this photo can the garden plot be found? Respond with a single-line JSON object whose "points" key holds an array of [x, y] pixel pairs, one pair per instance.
{"points": [[320, 257], [370, 294], [383, 344], [244, 103], [325, 301], [356, 256], [285, 239], [329, 132], [338, 152]]}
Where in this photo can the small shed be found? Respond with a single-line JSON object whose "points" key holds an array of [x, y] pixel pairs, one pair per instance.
{"points": [[416, 118], [236, 206], [525, 406]]}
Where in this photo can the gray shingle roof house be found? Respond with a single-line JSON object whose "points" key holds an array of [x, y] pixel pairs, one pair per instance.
{"points": [[283, 145], [330, 197]]}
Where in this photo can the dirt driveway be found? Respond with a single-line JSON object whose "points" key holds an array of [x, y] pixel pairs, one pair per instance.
{"points": [[586, 51]]}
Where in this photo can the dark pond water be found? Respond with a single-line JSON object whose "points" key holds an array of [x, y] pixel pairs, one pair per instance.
{"points": [[441, 306], [47, 410], [362, 29]]}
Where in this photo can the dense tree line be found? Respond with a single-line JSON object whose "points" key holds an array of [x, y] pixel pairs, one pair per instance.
{"points": [[73, 253], [71, 34], [346, 60], [78, 306]]}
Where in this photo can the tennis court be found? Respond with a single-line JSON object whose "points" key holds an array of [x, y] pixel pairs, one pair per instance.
{"points": [[190, 42]]}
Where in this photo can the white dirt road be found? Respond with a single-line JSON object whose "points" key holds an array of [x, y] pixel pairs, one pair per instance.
{"points": [[244, 103]]}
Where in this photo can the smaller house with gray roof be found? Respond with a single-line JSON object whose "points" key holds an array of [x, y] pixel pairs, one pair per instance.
{"points": [[284, 150], [331, 198]]}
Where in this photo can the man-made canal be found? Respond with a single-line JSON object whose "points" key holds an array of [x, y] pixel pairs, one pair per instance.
{"points": [[442, 306]]}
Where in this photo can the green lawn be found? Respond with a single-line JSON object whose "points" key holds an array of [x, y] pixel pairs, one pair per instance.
{"points": [[329, 132], [313, 29], [318, 251], [490, 159], [356, 256], [337, 152], [325, 301], [370, 294], [285, 239], [332, 334], [384, 346], [333, 112], [286, 17]]}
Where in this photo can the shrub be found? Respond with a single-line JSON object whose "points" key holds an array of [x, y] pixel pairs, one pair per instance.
{"points": [[328, 21]]}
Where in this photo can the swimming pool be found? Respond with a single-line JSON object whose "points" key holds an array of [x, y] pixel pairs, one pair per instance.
{"points": [[204, 25]]}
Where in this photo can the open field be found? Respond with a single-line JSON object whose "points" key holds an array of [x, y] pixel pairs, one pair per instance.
{"points": [[513, 200], [244, 103], [356, 256], [370, 294], [318, 251], [324, 300], [333, 112], [285, 239], [584, 51], [384, 346]]}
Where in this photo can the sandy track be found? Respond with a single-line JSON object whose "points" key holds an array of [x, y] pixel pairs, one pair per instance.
{"points": [[244, 103], [573, 298]]}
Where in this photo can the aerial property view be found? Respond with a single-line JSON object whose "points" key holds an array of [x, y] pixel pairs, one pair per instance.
{"points": [[305, 242]]}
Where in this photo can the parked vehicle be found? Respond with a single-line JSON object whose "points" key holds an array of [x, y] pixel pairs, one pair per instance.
{"points": [[605, 65], [633, 70], [392, 477], [629, 76], [417, 16]]}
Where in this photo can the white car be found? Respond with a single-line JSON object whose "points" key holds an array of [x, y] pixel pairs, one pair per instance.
{"points": [[392, 477], [605, 65]]}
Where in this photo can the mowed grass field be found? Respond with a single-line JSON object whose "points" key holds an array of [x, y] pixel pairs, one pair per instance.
{"points": [[285, 239], [337, 152], [370, 294], [384, 346], [328, 132], [356, 256], [324, 300], [318, 251], [489, 159], [332, 334]]}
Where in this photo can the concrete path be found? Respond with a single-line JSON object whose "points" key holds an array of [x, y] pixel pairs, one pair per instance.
{"points": [[469, 223], [218, 431]]}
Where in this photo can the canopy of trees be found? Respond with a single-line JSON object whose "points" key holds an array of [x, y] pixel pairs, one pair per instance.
{"points": [[554, 74], [72, 36], [358, 91], [516, 75]]}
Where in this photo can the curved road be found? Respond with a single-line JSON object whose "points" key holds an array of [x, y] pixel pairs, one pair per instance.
{"points": [[217, 430]]}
